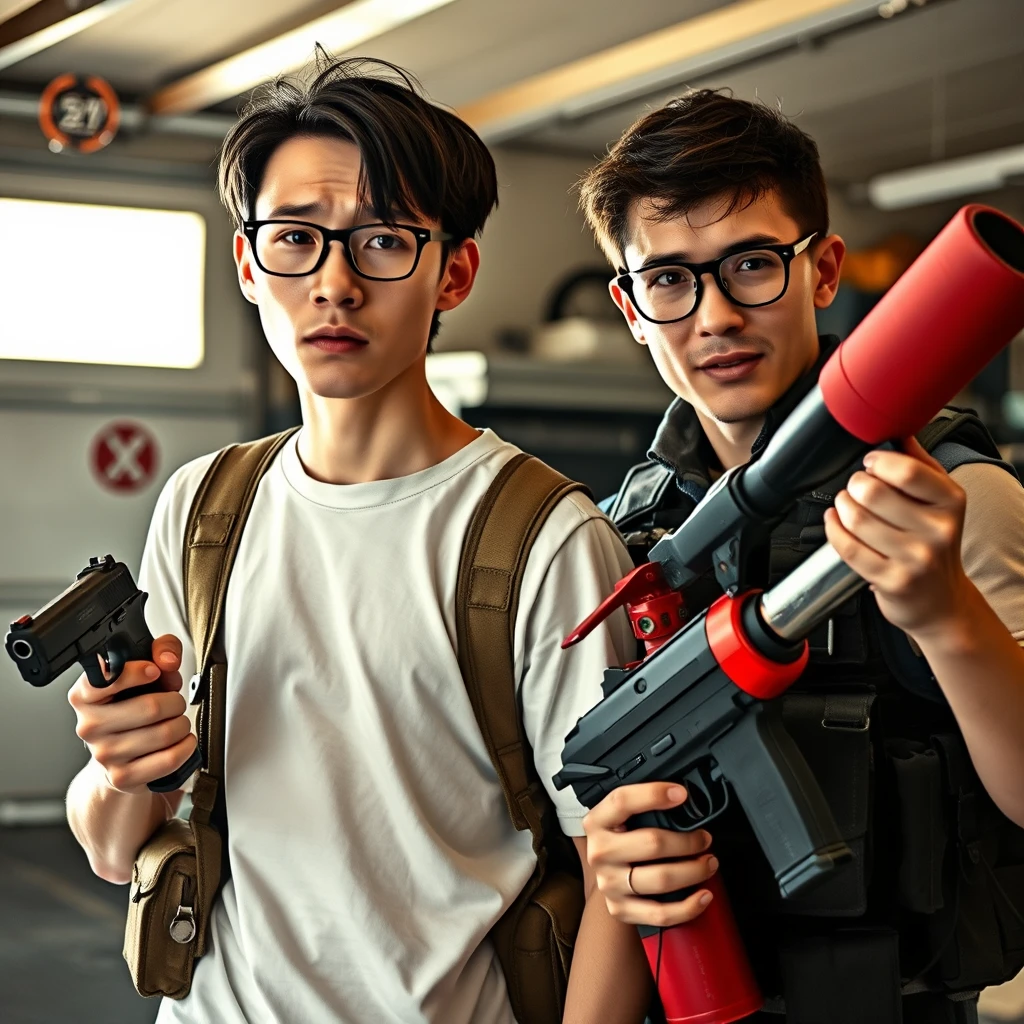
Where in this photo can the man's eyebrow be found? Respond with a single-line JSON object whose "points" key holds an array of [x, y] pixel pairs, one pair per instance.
{"points": [[319, 209], [296, 210], [742, 244]]}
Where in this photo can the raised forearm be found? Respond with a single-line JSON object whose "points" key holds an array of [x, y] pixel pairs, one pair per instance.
{"points": [[610, 982], [980, 668]]}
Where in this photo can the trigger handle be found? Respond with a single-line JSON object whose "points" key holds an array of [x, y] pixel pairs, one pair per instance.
{"points": [[642, 584]]}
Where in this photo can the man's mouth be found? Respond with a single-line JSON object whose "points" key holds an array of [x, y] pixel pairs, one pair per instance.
{"points": [[337, 334], [728, 360], [337, 340], [731, 366]]}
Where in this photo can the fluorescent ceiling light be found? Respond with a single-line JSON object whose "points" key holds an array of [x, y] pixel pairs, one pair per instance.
{"points": [[337, 32], [964, 176], [724, 37], [66, 26]]}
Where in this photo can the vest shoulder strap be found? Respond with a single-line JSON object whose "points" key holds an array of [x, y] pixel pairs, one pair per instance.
{"points": [[499, 539], [643, 490], [953, 426]]}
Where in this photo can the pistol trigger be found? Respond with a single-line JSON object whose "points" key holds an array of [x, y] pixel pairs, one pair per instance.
{"points": [[117, 657], [94, 671]]}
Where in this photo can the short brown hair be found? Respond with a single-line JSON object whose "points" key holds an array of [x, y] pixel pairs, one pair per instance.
{"points": [[699, 146], [416, 157]]}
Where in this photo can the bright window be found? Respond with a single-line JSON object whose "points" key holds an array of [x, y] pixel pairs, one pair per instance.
{"points": [[101, 284]]}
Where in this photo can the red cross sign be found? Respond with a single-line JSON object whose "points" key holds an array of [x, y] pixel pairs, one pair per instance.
{"points": [[124, 457]]}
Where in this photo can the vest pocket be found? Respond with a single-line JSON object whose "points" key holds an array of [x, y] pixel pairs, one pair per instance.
{"points": [[1008, 883], [975, 930], [924, 828]]}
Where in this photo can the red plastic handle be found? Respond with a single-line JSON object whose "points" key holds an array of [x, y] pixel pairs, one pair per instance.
{"points": [[643, 584]]}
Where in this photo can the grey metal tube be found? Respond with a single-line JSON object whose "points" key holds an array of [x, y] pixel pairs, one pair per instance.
{"points": [[809, 594], [133, 118]]}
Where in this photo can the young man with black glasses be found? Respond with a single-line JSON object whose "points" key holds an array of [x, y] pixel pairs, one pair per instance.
{"points": [[714, 212], [371, 850]]}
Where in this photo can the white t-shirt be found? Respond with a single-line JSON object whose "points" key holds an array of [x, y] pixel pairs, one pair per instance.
{"points": [[371, 849]]}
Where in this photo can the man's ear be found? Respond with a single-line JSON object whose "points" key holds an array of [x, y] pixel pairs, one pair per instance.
{"points": [[458, 277], [621, 299], [827, 267], [243, 263]]}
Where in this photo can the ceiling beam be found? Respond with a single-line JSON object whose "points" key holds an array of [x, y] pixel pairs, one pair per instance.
{"points": [[48, 22], [9, 8], [351, 25], [727, 36]]}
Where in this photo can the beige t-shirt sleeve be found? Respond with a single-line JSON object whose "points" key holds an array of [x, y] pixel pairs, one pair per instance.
{"points": [[993, 540]]}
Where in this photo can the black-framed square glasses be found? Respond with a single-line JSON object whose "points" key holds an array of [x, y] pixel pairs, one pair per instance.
{"points": [[377, 252], [667, 290]]}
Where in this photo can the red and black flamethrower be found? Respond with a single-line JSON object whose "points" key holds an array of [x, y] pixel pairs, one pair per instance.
{"points": [[698, 709]]}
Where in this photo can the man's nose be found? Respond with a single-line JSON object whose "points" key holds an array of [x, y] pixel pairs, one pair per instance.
{"points": [[716, 315], [336, 283]]}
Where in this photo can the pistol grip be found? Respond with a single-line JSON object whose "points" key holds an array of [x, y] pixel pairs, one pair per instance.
{"points": [[178, 778]]}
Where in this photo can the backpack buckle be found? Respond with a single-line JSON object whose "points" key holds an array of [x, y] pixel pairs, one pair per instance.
{"points": [[197, 689]]}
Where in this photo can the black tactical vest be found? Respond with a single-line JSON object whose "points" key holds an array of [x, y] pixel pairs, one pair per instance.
{"points": [[933, 900]]}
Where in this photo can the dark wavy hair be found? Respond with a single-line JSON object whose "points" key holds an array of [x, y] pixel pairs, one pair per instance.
{"points": [[417, 158], [697, 147]]}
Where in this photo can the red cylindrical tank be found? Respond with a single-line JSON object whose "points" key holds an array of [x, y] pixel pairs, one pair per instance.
{"points": [[957, 305], [701, 968]]}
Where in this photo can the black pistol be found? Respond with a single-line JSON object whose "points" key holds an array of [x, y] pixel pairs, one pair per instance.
{"points": [[101, 615]]}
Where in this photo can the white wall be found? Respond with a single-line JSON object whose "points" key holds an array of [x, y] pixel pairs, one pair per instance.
{"points": [[54, 514], [862, 226], [534, 238]]}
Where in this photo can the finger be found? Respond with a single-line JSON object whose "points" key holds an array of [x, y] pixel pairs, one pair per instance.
{"points": [[928, 522], [136, 673], [914, 448], [669, 876], [618, 807], [645, 844], [883, 500], [167, 652], [875, 533], [865, 561], [636, 910], [124, 716], [122, 747], [915, 478], [138, 773]]}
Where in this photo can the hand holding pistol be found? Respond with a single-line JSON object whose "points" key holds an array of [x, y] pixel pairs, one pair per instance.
{"points": [[99, 623]]}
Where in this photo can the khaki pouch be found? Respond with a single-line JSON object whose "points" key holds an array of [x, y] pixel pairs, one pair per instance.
{"points": [[167, 914]]}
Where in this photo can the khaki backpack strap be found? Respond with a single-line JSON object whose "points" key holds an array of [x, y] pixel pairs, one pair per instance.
{"points": [[212, 536], [500, 536]]}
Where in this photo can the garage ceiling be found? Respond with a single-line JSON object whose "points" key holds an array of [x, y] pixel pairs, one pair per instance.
{"points": [[943, 80], [459, 52], [893, 93]]}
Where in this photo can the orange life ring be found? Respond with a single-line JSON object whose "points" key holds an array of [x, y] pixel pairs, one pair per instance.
{"points": [[86, 125]]}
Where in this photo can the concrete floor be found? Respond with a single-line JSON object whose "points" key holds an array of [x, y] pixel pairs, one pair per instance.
{"points": [[61, 932]]}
